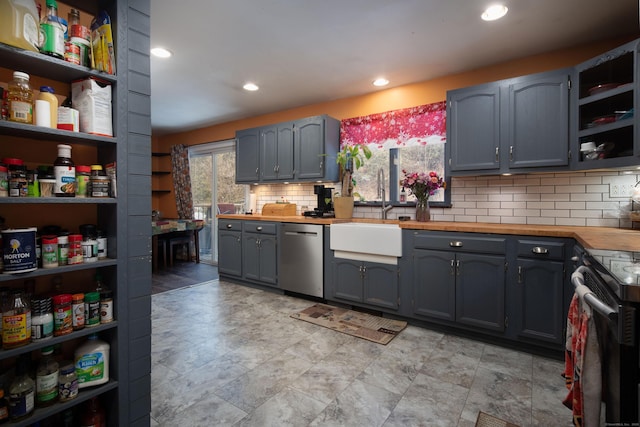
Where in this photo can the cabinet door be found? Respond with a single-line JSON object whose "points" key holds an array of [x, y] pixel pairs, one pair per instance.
{"points": [[480, 288], [276, 152], [539, 288], [434, 289], [250, 256], [268, 259], [347, 279], [247, 152], [309, 148], [538, 121], [381, 285], [230, 253], [473, 128]]}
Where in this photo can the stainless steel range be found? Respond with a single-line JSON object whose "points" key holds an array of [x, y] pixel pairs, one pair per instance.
{"points": [[614, 279]]}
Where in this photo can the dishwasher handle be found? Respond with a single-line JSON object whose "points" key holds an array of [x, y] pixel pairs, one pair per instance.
{"points": [[301, 233]]}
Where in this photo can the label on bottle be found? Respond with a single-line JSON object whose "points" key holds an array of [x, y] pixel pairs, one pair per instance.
{"points": [[65, 180], [47, 387], [90, 367], [21, 403], [14, 329], [20, 111], [52, 38]]}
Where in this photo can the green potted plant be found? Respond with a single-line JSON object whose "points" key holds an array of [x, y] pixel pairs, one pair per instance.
{"points": [[349, 159]]}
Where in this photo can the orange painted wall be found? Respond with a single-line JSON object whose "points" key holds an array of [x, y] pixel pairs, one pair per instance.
{"points": [[384, 100]]}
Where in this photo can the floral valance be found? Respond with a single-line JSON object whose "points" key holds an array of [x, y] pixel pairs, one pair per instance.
{"points": [[421, 125]]}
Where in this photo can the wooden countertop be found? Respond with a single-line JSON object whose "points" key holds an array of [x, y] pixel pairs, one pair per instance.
{"points": [[590, 237]]}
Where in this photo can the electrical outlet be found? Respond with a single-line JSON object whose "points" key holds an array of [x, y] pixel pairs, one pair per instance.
{"points": [[621, 189]]}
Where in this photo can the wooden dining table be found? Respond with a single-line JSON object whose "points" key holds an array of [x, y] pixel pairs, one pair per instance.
{"points": [[189, 227]]}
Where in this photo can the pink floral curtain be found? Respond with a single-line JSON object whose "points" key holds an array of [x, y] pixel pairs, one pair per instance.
{"points": [[419, 125]]}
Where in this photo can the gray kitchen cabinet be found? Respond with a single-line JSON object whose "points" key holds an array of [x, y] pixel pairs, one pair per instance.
{"points": [[511, 125], [298, 151], [230, 247], [603, 110], [126, 219], [370, 283], [247, 156], [473, 128], [276, 152], [259, 252], [538, 285], [459, 277]]}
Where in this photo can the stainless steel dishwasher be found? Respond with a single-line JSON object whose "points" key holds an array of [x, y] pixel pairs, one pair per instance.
{"points": [[301, 259]]}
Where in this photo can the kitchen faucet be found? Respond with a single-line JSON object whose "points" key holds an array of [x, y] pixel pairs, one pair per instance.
{"points": [[381, 193]]}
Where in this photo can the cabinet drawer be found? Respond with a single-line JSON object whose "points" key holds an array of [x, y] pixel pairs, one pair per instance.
{"points": [[460, 242], [259, 227], [546, 249], [229, 224]]}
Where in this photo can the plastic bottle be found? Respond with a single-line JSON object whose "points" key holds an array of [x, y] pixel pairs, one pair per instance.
{"points": [[47, 94], [63, 248], [92, 362], [65, 172], [83, 175], [41, 319], [47, 379], [22, 391], [19, 24], [67, 382], [20, 99], [77, 306], [91, 309], [52, 31], [16, 321]]}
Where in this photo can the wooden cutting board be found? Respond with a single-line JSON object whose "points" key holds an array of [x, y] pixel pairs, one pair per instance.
{"points": [[279, 209]]}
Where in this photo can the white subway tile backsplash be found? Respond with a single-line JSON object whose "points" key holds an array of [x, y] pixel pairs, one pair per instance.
{"points": [[555, 213], [571, 221]]}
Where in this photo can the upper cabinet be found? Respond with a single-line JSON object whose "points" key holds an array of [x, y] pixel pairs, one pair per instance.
{"points": [[510, 125], [297, 151], [604, 120]]}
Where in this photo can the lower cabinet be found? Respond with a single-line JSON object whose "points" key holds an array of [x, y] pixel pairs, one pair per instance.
{"points": [[466, 288], [230, 247], [370, 283], [259, 252], [538, 290]]}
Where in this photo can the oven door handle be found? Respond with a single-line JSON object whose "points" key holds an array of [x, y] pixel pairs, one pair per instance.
{"points": [[577, 278]]}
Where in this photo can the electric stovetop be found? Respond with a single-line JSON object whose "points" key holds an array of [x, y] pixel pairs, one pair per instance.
{"points": [[621, 269]]}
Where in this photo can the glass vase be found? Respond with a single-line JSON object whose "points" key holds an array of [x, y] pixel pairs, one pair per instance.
{"points": [[423, 214]]}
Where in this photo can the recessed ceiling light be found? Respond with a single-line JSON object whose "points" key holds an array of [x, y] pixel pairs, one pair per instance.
{"points": [[493, 12], [250, 87], [380, 82], [161, 52]]}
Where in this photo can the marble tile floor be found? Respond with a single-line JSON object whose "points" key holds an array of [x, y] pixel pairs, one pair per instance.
{"points": [[229, 355]]}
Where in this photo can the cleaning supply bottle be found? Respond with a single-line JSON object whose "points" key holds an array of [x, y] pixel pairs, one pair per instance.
{"points": [[92, 362]]}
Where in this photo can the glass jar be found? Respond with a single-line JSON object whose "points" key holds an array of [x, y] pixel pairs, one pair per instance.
{"points": [[49, 251], [4, 181], [65, 172], [62, 315], [77, 307], [22, 391], [17, 176], [20, 99], [67, 382], [106, 306], [100, 186], [75, 249], [41, 319], [63, 248], [92, 309], [47, 379], [83, 176]]}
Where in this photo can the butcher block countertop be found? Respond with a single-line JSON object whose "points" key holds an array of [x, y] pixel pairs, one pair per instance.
{"points": [[590, 237]]}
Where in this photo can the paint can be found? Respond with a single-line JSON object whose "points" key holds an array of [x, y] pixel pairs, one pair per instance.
{"points": [[19, 250]]}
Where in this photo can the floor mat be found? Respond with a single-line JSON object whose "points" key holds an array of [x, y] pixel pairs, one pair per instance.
{"points": [[355, 323], [486, 420]]}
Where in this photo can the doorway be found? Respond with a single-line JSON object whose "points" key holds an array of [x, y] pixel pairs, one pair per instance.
{"points": [[213, 171]]}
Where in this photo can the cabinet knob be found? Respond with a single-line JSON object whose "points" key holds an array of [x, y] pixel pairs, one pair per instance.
{"points": [[540, 250], [497, 154], [511, 153], [455, 244], [229, 226], [258, 228]]}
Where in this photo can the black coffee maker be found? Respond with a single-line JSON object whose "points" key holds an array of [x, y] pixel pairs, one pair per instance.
{"points": [[325, 205]]}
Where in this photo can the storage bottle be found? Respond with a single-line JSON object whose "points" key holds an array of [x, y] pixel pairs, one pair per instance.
{"points": [[20, 99], [19, 24], [22, 391], [92, 362], [16, 321], [65, 172], [47, 379], [52, 31], [47, 94]]}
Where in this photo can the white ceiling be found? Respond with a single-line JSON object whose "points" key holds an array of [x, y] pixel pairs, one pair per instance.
{"points": [[304, 52]]}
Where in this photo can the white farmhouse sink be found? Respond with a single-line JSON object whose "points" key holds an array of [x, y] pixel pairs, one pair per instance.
{"points": [[365, 241]]}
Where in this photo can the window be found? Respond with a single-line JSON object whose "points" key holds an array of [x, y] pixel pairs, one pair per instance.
{"points": [[412, 139]]}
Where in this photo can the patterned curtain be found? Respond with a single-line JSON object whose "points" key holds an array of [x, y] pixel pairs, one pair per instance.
{"points": [[421, 125], [182, 181]]}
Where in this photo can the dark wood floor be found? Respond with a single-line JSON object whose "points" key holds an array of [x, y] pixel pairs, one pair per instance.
{"points": [[182, 274]]}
